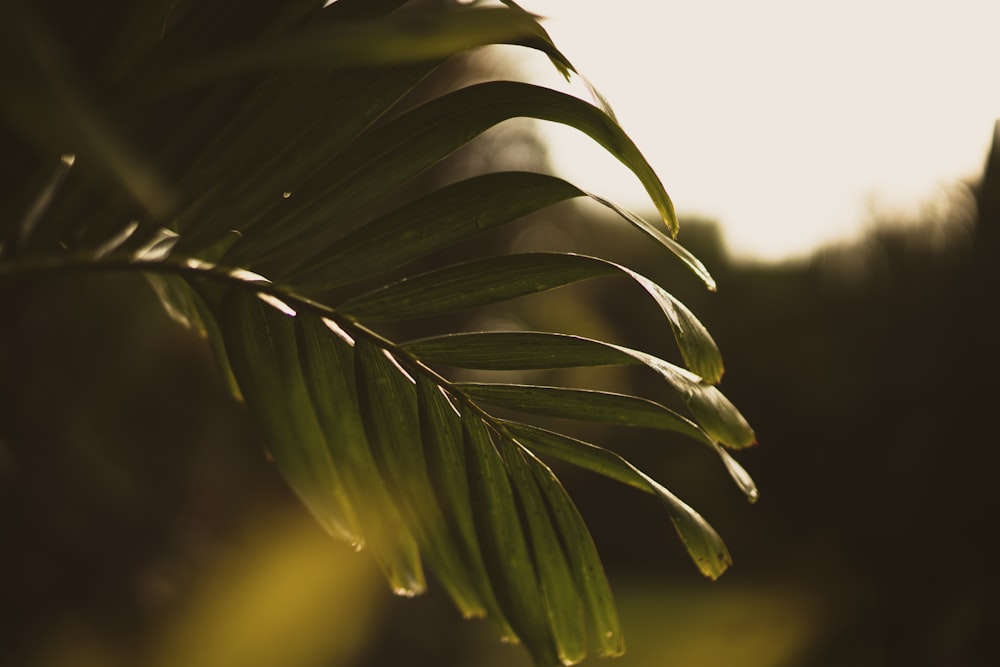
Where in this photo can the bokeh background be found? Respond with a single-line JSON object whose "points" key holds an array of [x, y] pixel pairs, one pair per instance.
{"points": [[141, 523]]}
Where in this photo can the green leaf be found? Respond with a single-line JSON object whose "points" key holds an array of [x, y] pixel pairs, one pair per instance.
{"points": [[444, 451], [589, 405], [668, 242], [327, 359], [711, 409], [402, 148], [698, 349], [609, 408], [471, 110], [261, 348], [179, 301], [431, 223], [470, 284], [560, 61], [601, 615], [563, 605], [535, 351], [516, 350], [703, 544], [506, 547], [739, 475], [388, 411], [499, 278]]}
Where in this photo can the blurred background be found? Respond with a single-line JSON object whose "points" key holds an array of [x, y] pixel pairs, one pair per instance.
{"points": [[753, 113], [143, 525]]}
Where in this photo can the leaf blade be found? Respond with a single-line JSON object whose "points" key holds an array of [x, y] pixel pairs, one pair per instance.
{"points": [[608, 408], [262, 352], [516, 351], [433, 222], [505, 545], [563, 604], [534, 351], [388, 412], [703, 543], [585, 404], [379, 162], [496, 279], [328, 368], [470, 284], [602, 615], [444, 450]]}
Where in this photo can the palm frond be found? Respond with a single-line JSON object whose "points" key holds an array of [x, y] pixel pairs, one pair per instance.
{"points": [[253, 176]]}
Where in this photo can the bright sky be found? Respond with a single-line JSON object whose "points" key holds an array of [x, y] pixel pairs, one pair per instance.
{"points": [[784, 120]]}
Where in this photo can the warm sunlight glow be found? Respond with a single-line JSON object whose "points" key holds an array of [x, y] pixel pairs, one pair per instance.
{"points": [[790, 123]]}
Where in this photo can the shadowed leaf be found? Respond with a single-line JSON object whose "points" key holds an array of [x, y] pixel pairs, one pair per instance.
{"points": [[496, 279], [261, 348], [535, 351], [506, 547], [328, 368], [703, 544]]}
